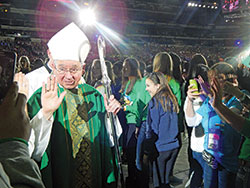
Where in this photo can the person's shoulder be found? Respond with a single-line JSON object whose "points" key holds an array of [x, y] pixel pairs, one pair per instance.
{"points": [[152, 102], [89, 88], [174, 82], [144, 78], [140, 83], [36, 94]]}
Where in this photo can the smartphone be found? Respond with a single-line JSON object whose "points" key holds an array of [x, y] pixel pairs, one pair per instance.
{"points": [[195, 85], [7, 71]]}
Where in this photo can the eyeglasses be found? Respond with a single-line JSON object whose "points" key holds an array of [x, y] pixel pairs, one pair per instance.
{"points": [[63, 70]]}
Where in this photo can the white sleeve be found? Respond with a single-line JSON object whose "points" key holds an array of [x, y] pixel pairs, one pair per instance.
{"points": [[40, 135], [192, 121]]}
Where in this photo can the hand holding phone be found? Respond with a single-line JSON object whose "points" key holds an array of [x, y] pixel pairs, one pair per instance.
{"points": [[193, 92], [14, 120], [195, 85], [23, 83]]}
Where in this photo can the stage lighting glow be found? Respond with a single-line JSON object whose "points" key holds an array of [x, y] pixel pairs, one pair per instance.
{"points": [[204, 6], [208, 6], [215, 7], [238, 43], [87, 17], [189, 4], [199, 5], [212, 7], [195, 5], [111, 36]]}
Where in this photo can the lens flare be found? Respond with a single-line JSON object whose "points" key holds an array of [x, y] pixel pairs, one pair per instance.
{"points": [[87, 17]]}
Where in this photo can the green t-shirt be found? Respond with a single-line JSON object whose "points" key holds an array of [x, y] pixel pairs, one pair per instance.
{"points": [[176, 89], [137, 112]]}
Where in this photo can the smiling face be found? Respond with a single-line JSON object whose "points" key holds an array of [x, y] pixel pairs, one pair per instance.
{"points": [[151, 87], [68, 73]]}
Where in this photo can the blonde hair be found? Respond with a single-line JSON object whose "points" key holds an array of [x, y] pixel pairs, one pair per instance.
{"points": [[163, 63]]}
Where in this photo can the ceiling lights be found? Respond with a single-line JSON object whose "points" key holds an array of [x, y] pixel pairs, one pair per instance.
{"points": [[202, 5]]}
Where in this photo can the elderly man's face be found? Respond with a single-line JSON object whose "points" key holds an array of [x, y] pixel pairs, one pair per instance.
{"points": [[68, 73]]}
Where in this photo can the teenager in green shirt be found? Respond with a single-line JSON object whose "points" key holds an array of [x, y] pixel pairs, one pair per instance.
{"points": [[135, 99]]}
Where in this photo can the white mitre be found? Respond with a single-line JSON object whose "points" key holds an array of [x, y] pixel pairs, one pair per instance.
{"points": [[70, 43]]}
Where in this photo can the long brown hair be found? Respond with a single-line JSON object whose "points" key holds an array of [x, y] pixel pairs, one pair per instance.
{"points": [[163, 63], [164, 94], [134, 71], [109, 66]]}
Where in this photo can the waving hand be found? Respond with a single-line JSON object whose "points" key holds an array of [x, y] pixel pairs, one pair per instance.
{"points": [[50, 99]]}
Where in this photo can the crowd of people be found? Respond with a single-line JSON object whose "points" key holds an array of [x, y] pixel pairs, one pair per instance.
{"points": [[59, 115], [143, 50]]}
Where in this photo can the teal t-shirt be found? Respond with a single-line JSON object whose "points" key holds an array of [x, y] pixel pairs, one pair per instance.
{"points": [[220, 141]]}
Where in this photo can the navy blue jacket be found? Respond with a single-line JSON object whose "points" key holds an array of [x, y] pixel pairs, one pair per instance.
{"points": [[164, 125]]}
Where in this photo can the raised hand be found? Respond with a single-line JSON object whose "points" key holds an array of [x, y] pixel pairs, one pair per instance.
{"points": [[217, 92], [14, 121], [23, 83], [192, 93], [112, 105], [50, 100]]}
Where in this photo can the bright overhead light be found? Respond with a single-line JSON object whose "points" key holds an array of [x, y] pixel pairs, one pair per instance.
{"points": [[204, 6], [87, 17], [199, 5], [215, 7], [189, 4], [195, 5], [208, 6], [212, 7], [192, 4]]}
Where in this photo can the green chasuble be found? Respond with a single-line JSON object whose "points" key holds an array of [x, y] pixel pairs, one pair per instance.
{"points": [[78, 154]]}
